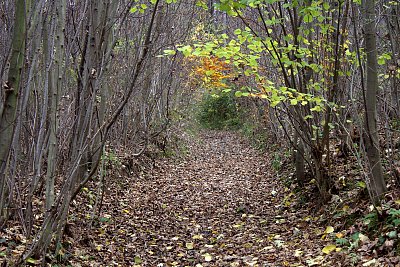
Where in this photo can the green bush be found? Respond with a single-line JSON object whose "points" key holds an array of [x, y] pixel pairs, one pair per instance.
{"points": [[219, 112]]}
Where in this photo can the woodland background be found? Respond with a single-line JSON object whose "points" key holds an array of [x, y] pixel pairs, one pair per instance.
{"points": [[92, 86]]}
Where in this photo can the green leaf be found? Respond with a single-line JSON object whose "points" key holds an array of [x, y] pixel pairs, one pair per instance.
{"points": [[186, 50], [361, 184], [316, 108], [308, 18], [238, 93], [137, 260], [396, 222], [394, 212], [381, 61], [104, 219], [355, 237], [202, 4], [308, 117], [342, 241], [382, 58], [169, 52], [275, 103], [392, 234]]}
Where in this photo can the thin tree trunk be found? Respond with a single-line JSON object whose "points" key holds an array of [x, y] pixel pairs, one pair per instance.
{"points": [[377, 185], [11, 89], [55, 88]]}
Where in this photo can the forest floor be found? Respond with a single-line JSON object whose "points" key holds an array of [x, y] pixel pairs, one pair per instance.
{"points": [[221, 205]]}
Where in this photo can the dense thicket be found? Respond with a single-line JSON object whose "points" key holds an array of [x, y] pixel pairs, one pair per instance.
{"points": [[327, 80], [79, 78], [83, 78]]}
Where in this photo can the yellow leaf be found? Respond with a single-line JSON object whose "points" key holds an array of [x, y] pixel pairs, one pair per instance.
{"points": [[197, 237], [298, 253], [189, 245], [30, 260], [329, 230], [363, 238], [339, 235], [248, 245], [328, 249], [207, 257], [370, 263]]}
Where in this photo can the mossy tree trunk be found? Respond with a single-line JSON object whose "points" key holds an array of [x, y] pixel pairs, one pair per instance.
{"points": [[11, 89]]}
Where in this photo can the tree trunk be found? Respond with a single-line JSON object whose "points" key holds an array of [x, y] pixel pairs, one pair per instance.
{"points": [[11, 89], [299, 161], [54, 91], [377, 185]]}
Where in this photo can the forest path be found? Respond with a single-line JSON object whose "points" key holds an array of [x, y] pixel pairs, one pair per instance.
{"points": [[220, 206]]}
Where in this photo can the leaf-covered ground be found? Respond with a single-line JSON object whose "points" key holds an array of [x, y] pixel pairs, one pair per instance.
{"points": [[219, 206]]}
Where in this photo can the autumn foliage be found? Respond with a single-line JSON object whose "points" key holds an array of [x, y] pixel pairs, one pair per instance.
{"points": [[211, 72]]}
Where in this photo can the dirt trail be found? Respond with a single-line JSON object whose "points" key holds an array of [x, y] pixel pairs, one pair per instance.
{"points": [[221, 206]]}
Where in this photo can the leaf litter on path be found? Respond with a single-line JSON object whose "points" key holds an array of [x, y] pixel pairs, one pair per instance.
{"points": [[220, 206]]}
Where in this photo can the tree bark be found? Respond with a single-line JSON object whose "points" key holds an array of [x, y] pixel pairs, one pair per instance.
{"points": [[11, 89], [55, 89], [377, 185]]}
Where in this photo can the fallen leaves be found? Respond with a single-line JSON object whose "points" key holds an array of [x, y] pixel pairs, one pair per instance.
{"points": [[212, 207], [207, 257], [208, 209], [329, 248], [221, 206], [189, 245]]}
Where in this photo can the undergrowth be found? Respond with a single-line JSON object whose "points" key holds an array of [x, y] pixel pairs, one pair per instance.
{"points": [[219, 112], [223, 111]]}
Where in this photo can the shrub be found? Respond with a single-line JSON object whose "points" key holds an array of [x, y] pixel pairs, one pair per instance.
{"points": [[219, 112]]}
